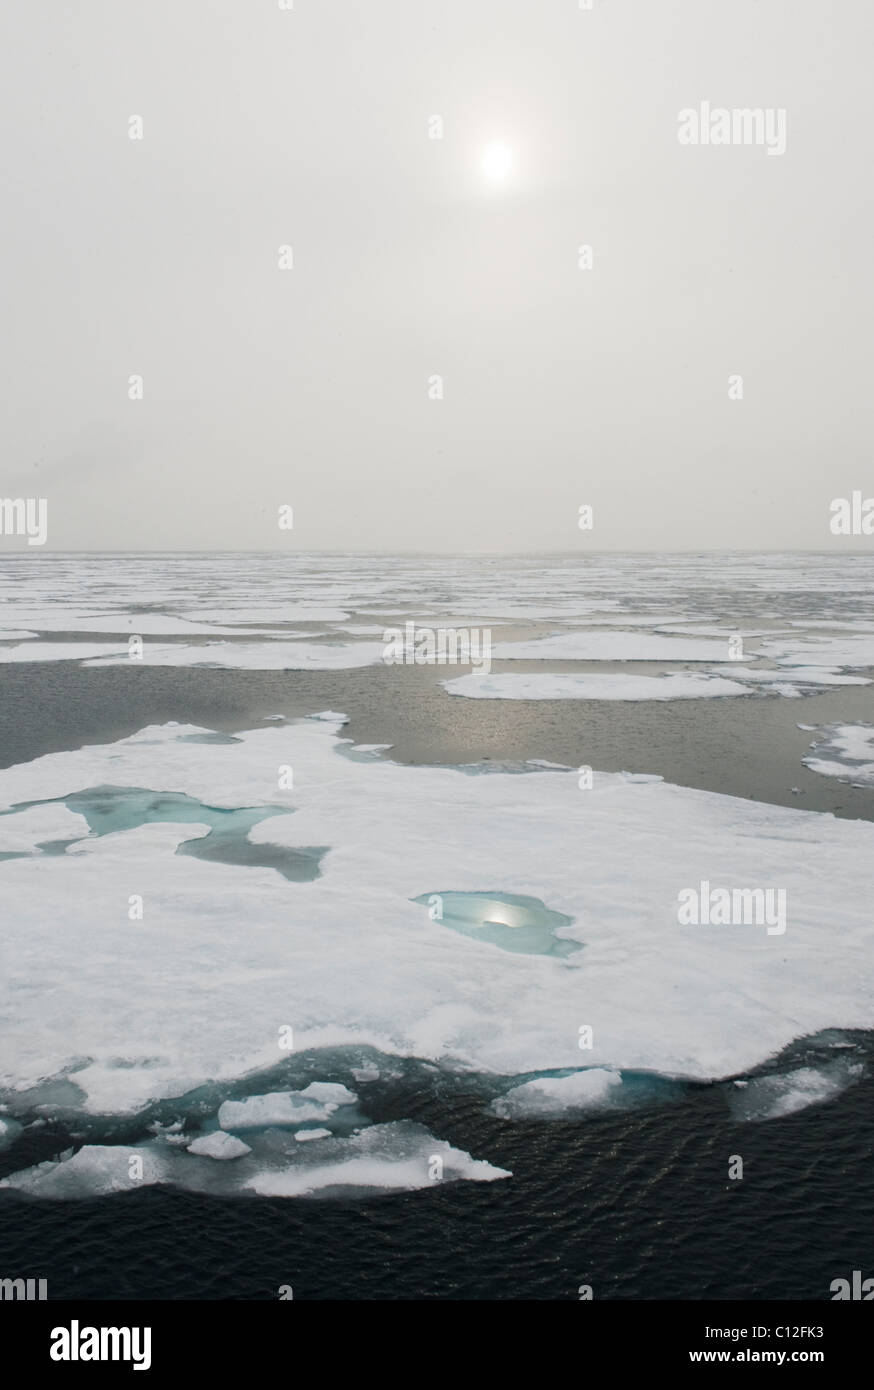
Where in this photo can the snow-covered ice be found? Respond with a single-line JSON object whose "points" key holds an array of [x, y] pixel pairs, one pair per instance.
{"points": [[614, 646], [606, 686], [63, 651], [846, 649], [316, 1102], [792, 679], [219, 1145], [550, 1096], [845, 751], [274, 655], [227, 955], [23, 831]]}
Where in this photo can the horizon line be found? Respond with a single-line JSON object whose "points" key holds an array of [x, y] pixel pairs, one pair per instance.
{"points": [[31, 553]]}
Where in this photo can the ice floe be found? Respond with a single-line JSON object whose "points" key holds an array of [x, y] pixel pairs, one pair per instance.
{"points": [[598, 686], [614, 646], [220, 1145], [275, 655], [317, 1102], [400, 1157], [845, 751], [62, 619], [223, 957], [23, 831], [771, 1097], [63, 651], [9, 1131], [852, 650], [551, 1096], [391, 1157], [792, 679]]}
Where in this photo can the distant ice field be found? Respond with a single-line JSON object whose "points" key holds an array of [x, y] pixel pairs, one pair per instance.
{"points": [[298, 612]]}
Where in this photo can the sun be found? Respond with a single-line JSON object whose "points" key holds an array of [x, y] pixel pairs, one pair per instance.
{"points": [[497, 162]]}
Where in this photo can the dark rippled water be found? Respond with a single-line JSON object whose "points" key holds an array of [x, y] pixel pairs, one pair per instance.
{"points": [[638, 1205]]}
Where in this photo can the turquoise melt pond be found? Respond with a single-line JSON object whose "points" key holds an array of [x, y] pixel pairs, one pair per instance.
{"points": [[509, 920]]}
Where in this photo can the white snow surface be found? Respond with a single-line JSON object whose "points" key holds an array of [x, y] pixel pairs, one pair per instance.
{"points": [[22, 831], [597, 686]]}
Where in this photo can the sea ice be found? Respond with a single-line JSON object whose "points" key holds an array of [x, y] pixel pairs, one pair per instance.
{"points": [[21, 831], [550, 1096], [9, 1130], [846, 752], [546, 686], [316, 1102], [771, 1097], [847, 649], [614, 646], [399, 1157], [275, 655], [143, 624], [219, 1145], [63, 651], [791, 679], [226, 956], [95, 1171]]}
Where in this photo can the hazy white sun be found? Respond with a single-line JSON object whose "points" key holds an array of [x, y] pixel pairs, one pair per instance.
{"points": [[497, 162]]}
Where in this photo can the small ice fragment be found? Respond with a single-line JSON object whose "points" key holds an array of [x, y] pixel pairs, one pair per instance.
{"points": [[160, 1130], [219, 1145], [9, 1130], [316, 1102], [772, 1097], [304, 1134], [550, 1096], [328, 1093]]}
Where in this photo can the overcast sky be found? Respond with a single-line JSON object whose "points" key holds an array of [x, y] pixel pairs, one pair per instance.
{"points": [[309, 386]]}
